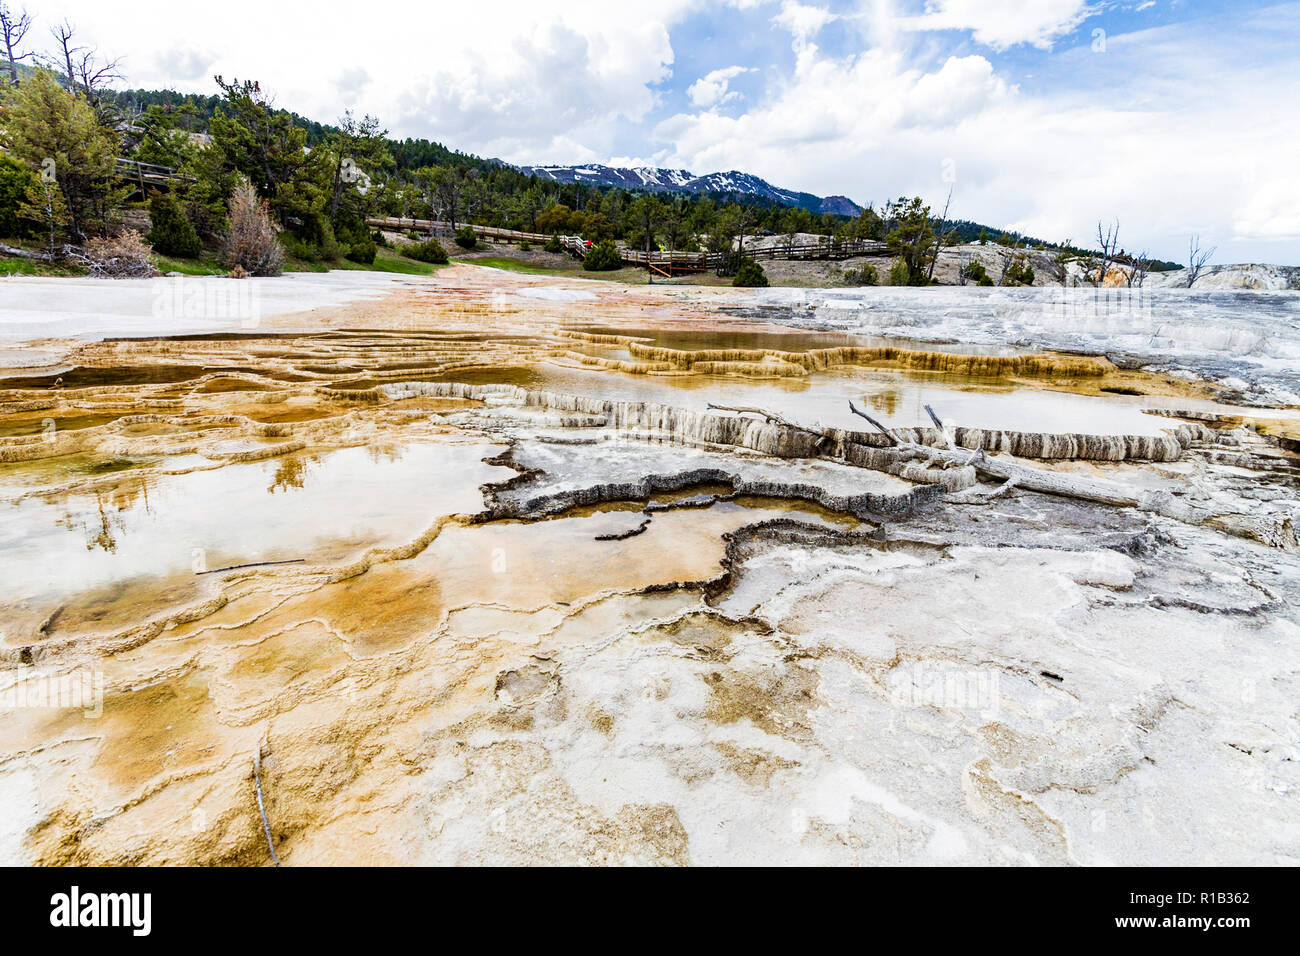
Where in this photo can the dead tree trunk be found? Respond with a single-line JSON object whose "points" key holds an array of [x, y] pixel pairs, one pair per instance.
{"points": [[1108, 239], [939, 237], [14, 26], [1196, 259]]}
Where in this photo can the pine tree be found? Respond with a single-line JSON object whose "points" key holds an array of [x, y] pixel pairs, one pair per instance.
{"points": [[15, 182], [44, 205], [750, 274], [49, 129], [171, 233]]}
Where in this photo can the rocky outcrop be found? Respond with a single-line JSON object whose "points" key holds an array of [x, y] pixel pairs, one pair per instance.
{"points": [[703, 428], [866, 505], [1041, 445], [867, 449]]}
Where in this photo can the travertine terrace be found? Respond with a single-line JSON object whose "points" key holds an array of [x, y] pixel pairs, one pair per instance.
{"points": [[495, 569]]}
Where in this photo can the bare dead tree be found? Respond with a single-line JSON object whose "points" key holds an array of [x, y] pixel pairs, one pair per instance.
{"points": [[939, 237], [94, 74], [63, 34], [1108, 239], [744, 218], [14, 26], [1137, 273], [1196, 259], [1008, 258], [85, 69]]}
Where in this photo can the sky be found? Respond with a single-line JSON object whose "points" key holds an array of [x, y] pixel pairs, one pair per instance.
{"points": [[1175, 117]]}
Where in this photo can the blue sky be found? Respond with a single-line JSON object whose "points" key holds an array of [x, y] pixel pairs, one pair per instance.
{"points": [[1174, 116]]}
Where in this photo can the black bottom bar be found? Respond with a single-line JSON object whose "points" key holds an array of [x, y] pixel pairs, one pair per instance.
{"points": [[927, 906]]}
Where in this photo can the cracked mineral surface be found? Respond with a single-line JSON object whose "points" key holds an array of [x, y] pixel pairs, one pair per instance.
{"points": [[488, 568]]}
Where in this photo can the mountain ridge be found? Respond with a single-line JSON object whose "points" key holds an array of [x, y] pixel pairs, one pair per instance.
{"points": [[660, 179]]}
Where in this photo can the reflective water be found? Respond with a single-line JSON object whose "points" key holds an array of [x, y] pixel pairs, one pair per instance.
{"points": [[316, 507], [1254, 335], [691, 336], [894, 398]]}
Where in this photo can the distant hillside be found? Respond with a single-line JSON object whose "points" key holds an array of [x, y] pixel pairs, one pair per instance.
{"points": [[732, 185], [195, 110]]}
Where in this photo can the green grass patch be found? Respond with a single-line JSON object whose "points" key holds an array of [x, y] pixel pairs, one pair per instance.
{"points": [[627, 275], [385, 261], [302, 265], [191, 267], [16, 266]]}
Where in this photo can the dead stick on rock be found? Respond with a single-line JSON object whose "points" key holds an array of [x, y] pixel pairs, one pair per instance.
{"points": [[770, 416], [774, 419], [255, 564], [1017, 475], [1032, 479], [261, 808], [883, 430], [943, 432]]}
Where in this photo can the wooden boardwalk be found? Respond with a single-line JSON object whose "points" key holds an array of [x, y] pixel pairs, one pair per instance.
{"points": [[145, 175], [663, 263]]}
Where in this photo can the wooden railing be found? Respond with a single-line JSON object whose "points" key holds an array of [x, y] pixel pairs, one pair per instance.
{"points": [[145, 174], [829, 249], [437, 225]]}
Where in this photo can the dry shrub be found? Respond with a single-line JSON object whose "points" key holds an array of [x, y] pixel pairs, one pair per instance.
{"points": [[252, 244], [125, 256]]}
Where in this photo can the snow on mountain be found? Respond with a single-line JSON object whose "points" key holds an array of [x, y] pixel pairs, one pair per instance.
{"points": [[658, 179]]}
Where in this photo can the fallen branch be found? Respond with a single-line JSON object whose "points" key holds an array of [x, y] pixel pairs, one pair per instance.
{"points": [[255, 564], [772, 417], [947, 439], [882, 429], [1031, 479], [25, 253], [1013, 474], [1003, 488], [991, 496], [261, 808]]}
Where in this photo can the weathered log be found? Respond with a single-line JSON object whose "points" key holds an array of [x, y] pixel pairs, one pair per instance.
{"points": [[881, 428], [770, 416], [25, 253], [1032, 479]]}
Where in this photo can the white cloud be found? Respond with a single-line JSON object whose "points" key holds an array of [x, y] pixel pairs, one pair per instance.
{"points": [[351, 81], [801, 20], [711, 89], [1270, 209], [1000, 24], [874, 125], [512, 78], [855, 105], [185, 64]]}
